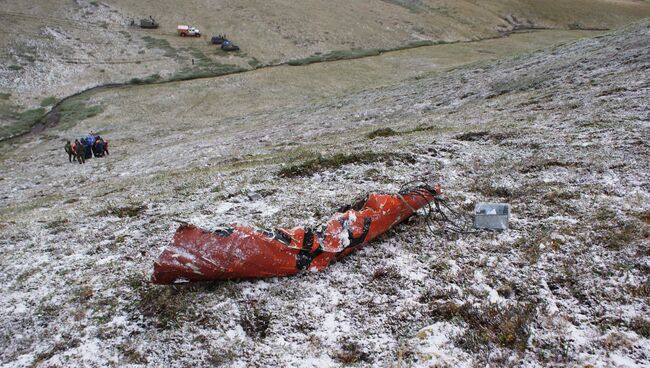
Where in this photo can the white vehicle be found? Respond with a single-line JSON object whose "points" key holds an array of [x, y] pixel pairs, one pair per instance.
{"points": [[183, 31]]}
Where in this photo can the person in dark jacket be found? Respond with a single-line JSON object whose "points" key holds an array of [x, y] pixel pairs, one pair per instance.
{"points": [[68, 150], [88, 148], [79, 151]]}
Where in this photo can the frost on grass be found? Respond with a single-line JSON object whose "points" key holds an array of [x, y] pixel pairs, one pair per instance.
{"points": [[567, 284]]}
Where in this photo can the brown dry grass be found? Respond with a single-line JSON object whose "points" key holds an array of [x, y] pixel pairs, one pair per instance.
{"points": [[490, 325]]}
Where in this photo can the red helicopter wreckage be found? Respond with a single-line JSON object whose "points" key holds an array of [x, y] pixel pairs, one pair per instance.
{"points": [[237, 252]]}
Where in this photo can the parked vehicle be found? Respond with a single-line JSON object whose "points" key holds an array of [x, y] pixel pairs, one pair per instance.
{"points": [[218, 40], [229, 46], [148, 23], [184, 31]]}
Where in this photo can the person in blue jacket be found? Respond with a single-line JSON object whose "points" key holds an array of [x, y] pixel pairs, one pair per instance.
{"points": [[90, 139]]}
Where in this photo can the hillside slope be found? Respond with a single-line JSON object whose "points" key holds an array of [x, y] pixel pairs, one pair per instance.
{"points": [[560, 134], [66, 46]]}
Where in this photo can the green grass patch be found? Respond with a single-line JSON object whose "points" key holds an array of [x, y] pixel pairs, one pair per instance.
{"points": [[388, 132], [220, 52], [31, 116], [203, 67], [254, 63], [15, 67], [214, 71], [358, 53], [415, 44], [321, 163], [19, 122], [75, 110], [200, 59], [153, 78], [5, 96], [382, 132], [414, 6], [337, 55], [48, 101], [424, 43], [158, 43]]}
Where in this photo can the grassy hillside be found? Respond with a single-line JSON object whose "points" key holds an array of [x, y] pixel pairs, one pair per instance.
{"points": [[206, 103], [66, 46], [559, 133]]}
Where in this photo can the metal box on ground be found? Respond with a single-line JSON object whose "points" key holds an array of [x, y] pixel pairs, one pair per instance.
{"points": [[491, 216]]}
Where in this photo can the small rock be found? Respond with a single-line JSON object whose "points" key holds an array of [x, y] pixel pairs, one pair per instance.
{"points": [[253, 196]]}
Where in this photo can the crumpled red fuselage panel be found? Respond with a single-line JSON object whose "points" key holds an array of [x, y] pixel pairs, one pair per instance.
{"points": [[236, 252]]}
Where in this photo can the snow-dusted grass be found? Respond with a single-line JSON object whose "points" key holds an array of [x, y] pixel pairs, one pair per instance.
{"points": [[566, 285]]}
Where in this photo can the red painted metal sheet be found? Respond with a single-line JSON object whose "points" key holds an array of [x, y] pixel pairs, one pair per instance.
{"points": [[238, 252]]}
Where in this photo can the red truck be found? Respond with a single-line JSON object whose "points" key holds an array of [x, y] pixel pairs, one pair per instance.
{"points": [[184, 31]]}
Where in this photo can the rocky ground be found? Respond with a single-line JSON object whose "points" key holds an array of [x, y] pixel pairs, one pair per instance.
{"points": [[561, 134]]}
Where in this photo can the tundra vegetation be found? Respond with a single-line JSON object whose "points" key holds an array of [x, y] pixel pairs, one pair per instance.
{"points": [[559, 131]]}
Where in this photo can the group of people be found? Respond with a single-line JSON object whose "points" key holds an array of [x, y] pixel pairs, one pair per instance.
{"points": [[86, 147]]}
